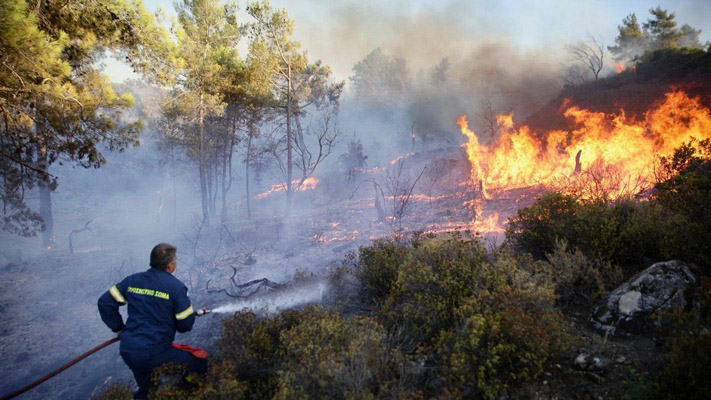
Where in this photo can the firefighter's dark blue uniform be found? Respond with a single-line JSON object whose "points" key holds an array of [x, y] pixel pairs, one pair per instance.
{"points": [[158, 305]]}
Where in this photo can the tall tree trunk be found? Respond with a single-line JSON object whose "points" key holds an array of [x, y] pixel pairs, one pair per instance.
{"points": [[45, 210], [201, 162], [289, 145], [211, 183], [172, 178], [45, 196], [227, 166], [250, 135], [378, 207], [223, 211]]}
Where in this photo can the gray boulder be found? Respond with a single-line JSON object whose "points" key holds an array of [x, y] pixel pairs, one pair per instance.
{"points": [[663, 286]]}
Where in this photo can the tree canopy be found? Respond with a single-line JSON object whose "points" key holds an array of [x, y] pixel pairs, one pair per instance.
{"points": [[659, 32], [54, 101]]}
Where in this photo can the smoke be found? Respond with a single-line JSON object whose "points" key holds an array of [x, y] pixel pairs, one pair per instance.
{"points": [[273, 302], [488, 63]]}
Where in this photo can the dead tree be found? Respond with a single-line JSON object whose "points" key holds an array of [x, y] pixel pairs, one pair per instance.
{"points": [[313, 144], [436, 170], [400, 186], [379, 193], [589, 53], [574, 75], [378, 206], [491, 119]]}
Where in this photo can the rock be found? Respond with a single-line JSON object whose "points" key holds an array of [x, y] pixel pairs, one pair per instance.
{"points": [[600, 364], [588, 362], [581, 361], [663, 286], [620, 360]]}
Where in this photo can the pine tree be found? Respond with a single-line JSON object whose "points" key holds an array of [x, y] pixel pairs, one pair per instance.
{"points": [[662, 29], [55, 103], [631, 42], [297, 85], [206, 30]]}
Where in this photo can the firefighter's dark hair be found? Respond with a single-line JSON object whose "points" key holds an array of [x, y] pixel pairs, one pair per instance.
{"points": [[162, 255]]}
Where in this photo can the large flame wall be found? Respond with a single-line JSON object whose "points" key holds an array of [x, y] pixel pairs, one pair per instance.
{"points": [[517, 158]]}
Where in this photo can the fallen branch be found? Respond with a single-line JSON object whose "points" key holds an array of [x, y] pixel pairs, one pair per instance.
{"points": [[244, 290]]}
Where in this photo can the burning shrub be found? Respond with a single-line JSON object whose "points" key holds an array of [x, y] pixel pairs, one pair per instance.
{"points": [[629, 233], [501, 338]]}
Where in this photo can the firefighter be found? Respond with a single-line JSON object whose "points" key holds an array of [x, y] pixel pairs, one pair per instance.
{"points": [[158, 305]]}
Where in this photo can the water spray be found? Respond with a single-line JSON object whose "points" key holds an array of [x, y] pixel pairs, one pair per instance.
{"points": [[277, 301]]}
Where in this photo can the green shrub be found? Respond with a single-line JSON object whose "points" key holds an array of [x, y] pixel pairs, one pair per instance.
{"points": [[641, 233], [578, 279], [686, 194], [327, 356], [479, 322], [674, 64], [627, 233], [115, 392], [377, 269], [534, 229], [431, 283], [686, 376], [253, 348], [688, 366], [501, 339]]}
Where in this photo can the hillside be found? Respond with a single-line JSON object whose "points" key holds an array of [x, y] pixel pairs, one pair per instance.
{"points": [[635, 90]]}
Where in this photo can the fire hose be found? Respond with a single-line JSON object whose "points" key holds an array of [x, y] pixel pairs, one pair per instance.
{"points": [[71, 363], [59, 370]]}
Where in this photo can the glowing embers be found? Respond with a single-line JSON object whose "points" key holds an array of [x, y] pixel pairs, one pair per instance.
{"points": [[308, 184], [611, 152]]}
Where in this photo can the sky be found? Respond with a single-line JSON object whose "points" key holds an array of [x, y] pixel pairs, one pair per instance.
{"points": [[342, 32]]}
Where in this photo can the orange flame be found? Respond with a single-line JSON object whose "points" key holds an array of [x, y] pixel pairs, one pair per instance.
{"points": [[489, 224], [308, 184], [620, 68], [598, 142]]}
